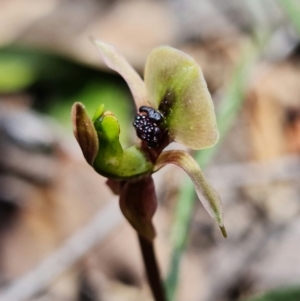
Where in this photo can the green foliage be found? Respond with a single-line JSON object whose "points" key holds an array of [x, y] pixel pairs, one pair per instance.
{"points": [[282, 294], [56, 83], [292, 10], [15, 73]]}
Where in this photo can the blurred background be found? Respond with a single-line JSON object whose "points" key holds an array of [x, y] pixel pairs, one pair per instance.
{"points": [[62, 236]]}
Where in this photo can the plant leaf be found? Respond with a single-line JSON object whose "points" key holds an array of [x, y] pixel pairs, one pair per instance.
{"points": [[115, 60], [176, 87], [138, 204], [84, 132], [206, 193]]}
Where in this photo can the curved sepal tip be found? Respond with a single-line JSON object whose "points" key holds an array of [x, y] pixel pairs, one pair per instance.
{"points": [[206, 193]]}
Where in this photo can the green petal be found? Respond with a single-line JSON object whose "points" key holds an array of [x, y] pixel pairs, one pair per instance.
{"points": [[85, 132], [114, 60], [112, 160], [206, 193], [176, 86]]}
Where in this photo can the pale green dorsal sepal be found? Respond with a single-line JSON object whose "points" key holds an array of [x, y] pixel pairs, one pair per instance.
{"points": [[176, 86]]}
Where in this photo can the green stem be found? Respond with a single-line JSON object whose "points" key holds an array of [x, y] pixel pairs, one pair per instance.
{"points": [[292, 10], [152, 270]]}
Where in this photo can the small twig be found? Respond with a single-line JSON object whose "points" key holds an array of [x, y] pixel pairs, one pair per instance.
{"points": [[152, 270]]}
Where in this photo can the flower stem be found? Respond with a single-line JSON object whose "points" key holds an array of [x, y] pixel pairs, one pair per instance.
{"points": [[152, 270]]}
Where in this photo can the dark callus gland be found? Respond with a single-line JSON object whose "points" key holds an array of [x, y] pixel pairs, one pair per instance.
{"points": [[149, 126]]}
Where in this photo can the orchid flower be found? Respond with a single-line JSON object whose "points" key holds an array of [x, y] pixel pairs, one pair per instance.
{"points": [[173, 105]]}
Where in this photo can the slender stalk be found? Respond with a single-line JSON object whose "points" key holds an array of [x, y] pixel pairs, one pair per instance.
{"points": [[138, 203], [152, 270]]}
